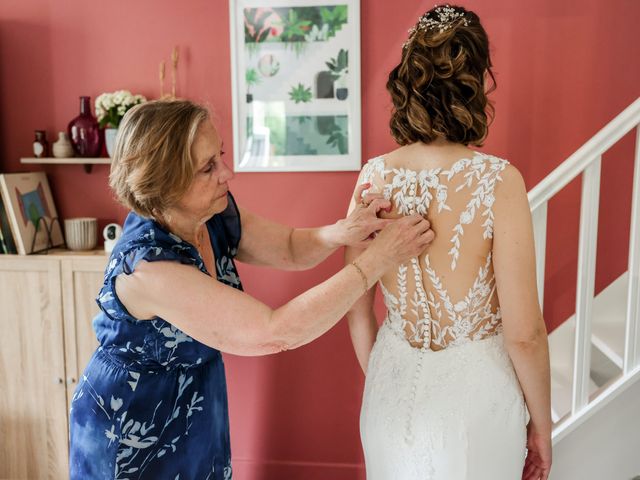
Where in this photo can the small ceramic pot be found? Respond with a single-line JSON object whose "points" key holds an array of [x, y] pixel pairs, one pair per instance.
{"points": [[81, 233], [63, 148]]}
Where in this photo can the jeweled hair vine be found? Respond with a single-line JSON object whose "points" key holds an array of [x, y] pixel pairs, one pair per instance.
{"points": [[440, 18]]}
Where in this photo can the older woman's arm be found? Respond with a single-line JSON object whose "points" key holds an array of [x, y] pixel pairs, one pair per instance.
{"points": [[271, 244], [234, 322]]}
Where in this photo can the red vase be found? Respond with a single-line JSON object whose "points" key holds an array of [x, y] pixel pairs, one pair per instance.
{"points": [[84, 131]]}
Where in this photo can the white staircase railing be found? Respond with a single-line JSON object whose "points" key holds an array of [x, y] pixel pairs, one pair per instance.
{"points": [[587, 161]]}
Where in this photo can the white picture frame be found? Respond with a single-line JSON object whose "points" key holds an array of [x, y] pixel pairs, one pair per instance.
{"points": [[296, 85], [31, 212]]}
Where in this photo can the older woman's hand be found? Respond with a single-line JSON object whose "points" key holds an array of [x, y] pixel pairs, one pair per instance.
{"points": [[404, 239], [360, 227]]}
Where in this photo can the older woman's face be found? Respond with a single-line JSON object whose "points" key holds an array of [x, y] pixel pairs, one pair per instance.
{"points": [[207, 194]]}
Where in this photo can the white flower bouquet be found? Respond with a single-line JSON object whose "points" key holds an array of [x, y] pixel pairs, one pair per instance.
{"points": [[111, 107]]}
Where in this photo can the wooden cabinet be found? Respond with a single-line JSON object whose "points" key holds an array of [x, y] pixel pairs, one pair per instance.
{"points": [[81, 280], [47, 303]]}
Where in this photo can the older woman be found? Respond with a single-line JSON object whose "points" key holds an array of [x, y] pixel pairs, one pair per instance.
{"points": [[152, 402]]}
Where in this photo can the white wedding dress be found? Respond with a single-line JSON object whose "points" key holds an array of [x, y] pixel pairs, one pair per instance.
{"points": [[441, 399]]}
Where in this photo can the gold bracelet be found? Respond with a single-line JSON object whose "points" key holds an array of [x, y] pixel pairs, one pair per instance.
{"points": [[362, 275]]}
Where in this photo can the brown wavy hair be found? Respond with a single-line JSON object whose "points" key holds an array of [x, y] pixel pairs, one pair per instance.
{"points": [[438, 88]]}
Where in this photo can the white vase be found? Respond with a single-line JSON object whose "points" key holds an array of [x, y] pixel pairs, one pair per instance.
{"points": [[62, 148], [110, 139]]}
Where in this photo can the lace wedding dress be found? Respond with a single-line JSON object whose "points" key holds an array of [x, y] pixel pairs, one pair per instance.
{"points": [[441, 399]]}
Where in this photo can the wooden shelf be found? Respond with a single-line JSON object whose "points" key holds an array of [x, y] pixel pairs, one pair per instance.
{"points": [[87, 162], [67, 161]]}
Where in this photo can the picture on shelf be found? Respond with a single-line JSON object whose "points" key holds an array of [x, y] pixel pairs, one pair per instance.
{"points": [[296, 84], [7, 245], [30, 211]]}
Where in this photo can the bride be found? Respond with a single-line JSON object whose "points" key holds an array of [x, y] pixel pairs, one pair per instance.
{"points": [[457, 377]]}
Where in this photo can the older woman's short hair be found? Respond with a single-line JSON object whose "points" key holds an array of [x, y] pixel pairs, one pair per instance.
{"points": [[152, 166], [438, 88]]}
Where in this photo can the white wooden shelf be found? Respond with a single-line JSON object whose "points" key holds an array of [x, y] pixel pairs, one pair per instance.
{"points": [[87, 162], [67, 161]]}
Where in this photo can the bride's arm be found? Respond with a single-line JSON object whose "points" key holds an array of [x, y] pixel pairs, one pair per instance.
{"points": [[524, 328], [268, 243], [361, 317]]}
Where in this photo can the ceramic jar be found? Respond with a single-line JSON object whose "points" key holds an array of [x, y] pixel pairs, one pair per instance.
{"points": [[63, 148]]}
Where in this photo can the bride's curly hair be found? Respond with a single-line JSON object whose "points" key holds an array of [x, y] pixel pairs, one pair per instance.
{"points": [[438, 88]]}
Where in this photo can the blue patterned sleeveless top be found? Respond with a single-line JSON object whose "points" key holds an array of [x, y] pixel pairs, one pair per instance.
{"points": [[152, 402]]}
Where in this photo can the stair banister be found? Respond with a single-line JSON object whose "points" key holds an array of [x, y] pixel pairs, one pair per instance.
{"points": [[632, 328], [586, 161]]}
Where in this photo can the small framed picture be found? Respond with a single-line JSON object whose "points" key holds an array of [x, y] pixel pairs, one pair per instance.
{"points": [[30, 212], [296, 85]]}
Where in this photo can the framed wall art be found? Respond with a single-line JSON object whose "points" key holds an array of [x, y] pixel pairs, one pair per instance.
{"points": [[296, 85], [30, 211]]}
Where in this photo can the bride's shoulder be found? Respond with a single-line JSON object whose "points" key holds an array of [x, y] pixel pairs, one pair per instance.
{"points": [[383, 161], [511, 184], [493, 159], [373, 166]]}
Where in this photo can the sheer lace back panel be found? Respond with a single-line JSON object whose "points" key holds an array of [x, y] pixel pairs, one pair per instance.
{"points": [[447, 295]]}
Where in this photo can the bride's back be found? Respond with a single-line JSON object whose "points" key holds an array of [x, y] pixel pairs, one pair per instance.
{"points": [[447, 295], [439, 91]]}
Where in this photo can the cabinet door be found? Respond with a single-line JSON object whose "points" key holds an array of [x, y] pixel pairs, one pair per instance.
{"points": [[81, 281], [33, 420]]}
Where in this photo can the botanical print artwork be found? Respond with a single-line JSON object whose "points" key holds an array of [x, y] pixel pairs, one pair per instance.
{"points": [[297, 100], [295, 25]]}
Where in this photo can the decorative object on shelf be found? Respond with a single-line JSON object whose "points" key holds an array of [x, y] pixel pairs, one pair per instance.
{"points": [[31, 212], [162, 73], [111, 234], [7, 244], [62, 148], [110, 108], [295, 111], [175, 58], [110, 135], [174, 70], [84, 131], [81, 233], [40, 144]]}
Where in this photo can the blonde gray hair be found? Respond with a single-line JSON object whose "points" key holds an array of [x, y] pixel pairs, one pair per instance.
{"points": [[152, 166]]}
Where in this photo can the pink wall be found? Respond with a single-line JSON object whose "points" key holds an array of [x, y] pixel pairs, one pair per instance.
{"points": [[564, 70]]}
